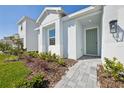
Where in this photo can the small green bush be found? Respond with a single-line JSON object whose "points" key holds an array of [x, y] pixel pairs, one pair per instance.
{"points": [[33, 53], [43, 56], [4, 47], [113, 67], [48, 56], [61, 61], [36, 82], [15, 51]]}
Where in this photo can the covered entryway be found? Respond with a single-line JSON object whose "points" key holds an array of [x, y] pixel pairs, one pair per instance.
{"points": [[91, 41], [89, 33]]}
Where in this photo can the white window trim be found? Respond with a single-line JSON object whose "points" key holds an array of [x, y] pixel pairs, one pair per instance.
{"points": [[51, 37]]}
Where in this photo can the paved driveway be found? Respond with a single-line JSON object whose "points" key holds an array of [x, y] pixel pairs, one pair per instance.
{"points": [[82, 75]]}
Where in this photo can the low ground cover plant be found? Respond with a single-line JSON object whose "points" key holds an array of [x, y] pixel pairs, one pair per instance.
{"points": [[37, 81], [47, 56], [109, 74], [33, 54], [113, 67]]}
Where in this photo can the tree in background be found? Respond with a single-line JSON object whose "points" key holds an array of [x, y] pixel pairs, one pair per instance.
{"points": [[4, 47]]}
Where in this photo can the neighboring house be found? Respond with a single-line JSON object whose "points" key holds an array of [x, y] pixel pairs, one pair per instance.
{"points": [[85, 32]]}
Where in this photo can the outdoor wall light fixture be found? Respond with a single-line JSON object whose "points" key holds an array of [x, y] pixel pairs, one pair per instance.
{"points": [[116, 31], [113, 26]]}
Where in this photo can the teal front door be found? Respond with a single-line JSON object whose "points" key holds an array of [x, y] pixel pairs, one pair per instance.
{"points": [[91, 41]]}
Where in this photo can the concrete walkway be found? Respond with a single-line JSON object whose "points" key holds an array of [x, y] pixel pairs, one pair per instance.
{"points": [[82, 75]]}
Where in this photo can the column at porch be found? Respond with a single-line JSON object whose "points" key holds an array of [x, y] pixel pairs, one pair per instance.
{"points": [[72, 39], [58, 43], [40, 40], [79, 39]]}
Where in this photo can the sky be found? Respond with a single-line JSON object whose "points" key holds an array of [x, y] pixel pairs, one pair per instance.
{"points": [[10, 14]]}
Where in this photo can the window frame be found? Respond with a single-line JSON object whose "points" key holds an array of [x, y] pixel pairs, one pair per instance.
{"points": [[50, 29], [21, 27]]}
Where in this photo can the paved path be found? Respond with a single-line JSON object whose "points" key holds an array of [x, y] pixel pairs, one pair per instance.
{"points": [[82, 75]]}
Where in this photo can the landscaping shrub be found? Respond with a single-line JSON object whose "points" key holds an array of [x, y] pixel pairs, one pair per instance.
{"points": [[113, 67], [48, 56], [33, 54], [61, 61], [42, 56], [36, 82], [15, 51], [4, 47], [8, 49]]}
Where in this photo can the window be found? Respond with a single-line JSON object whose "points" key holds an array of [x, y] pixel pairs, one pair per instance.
{"points": [[21, 28], [52, 37]]}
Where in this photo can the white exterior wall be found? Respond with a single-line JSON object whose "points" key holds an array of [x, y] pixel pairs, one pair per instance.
{"points": [[50, 18], [32, 36], [47, 22], [58, 37], [71, 39], [65, 39], [22, 34], [111, 48], [79, 40], [28, 34], [40, 40]]}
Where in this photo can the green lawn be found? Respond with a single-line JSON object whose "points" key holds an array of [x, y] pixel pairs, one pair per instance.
{"points": [[11, 72]]}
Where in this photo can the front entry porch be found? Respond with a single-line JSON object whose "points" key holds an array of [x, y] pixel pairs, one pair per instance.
{"points": [[88, 40]]}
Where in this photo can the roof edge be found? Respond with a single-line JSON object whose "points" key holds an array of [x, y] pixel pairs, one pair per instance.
{"points": [[49, 8], [85, 10], [25, 18]]}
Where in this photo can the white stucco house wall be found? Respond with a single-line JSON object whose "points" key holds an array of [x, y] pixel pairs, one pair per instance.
{"points": [[85, 32], [27, 33]]}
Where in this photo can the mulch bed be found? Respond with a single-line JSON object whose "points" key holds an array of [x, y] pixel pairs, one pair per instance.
{"points": [[106, 81], [51, 70]]}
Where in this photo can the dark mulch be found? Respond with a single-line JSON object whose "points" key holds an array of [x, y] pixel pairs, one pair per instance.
{"points": [[107, 81], [52, 71]]}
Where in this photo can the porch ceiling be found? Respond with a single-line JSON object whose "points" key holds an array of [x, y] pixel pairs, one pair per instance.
{"points": [[92, 19]]}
